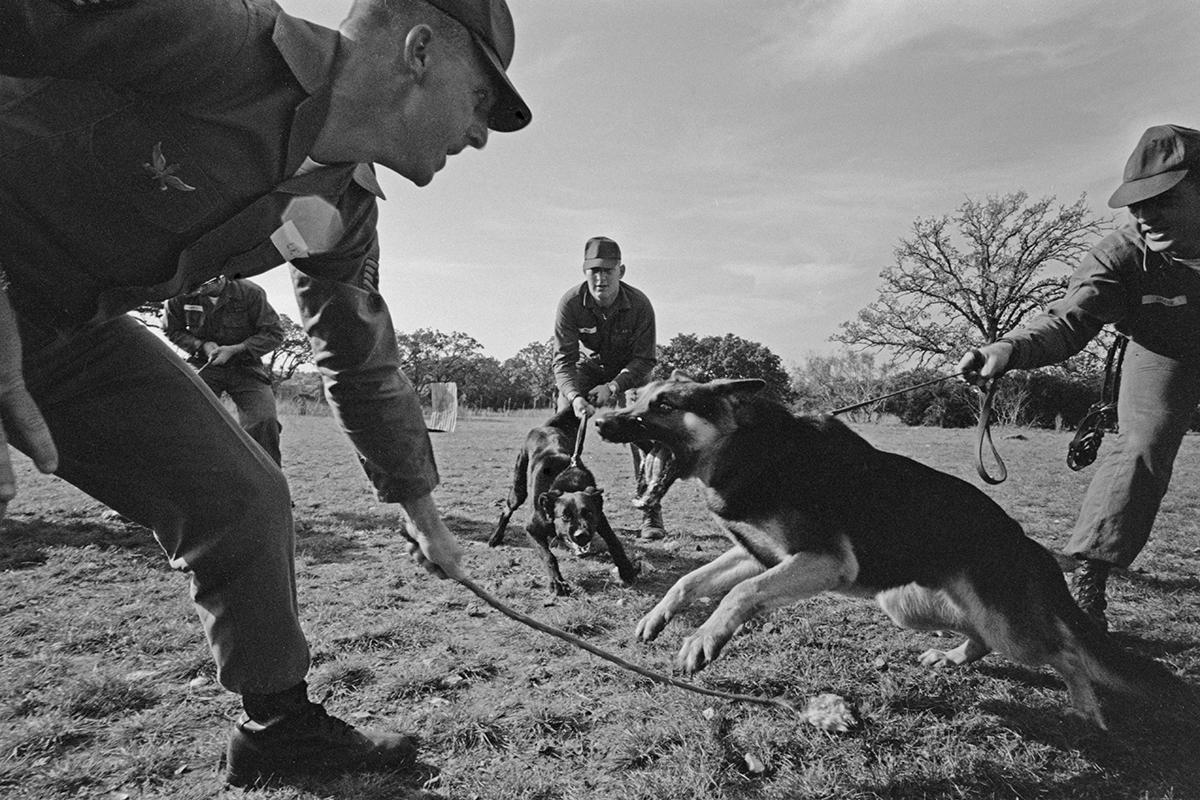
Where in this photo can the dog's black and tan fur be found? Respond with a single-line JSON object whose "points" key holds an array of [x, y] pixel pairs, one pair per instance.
{"points": [[567, 504], [813, 507]]}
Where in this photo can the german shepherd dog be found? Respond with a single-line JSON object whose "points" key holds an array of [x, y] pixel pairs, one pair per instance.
{"points": [[567, 504], [812, 507]]}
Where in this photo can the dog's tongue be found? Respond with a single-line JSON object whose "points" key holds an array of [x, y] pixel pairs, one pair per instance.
{"points": [[658, 473]]}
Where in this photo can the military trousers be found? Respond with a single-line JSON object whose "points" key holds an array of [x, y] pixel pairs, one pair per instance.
{"points": [[137, 429], [1155, 403]]}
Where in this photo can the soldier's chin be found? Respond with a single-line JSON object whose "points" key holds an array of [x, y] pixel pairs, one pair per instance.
{"points": [[658, 473]]}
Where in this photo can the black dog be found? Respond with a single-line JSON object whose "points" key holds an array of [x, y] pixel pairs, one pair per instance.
{"points": [[811, 507], [567, 505]]}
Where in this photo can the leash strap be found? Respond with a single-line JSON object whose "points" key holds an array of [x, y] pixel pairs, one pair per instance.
{"points": [[983, 432], [579, 434]]}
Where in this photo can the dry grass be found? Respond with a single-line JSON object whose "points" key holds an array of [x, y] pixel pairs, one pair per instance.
{"points": [[106, 688]]}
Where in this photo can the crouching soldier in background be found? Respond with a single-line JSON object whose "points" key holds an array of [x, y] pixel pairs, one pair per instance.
{"points": [[226, 327]]}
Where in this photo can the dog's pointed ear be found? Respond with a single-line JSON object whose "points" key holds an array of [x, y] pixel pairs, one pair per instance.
{"points": [[546, 501], [737, 385]]}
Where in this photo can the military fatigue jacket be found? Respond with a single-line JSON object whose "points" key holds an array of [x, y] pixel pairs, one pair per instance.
{"points": [[1152, 298], [240, 314], [615, 343], [148, 146]]}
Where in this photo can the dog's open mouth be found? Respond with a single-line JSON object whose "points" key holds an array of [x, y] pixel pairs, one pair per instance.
{"points": [[658, 473]]}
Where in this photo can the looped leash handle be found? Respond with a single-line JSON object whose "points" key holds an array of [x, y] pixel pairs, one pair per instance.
{"points": [[983, 431]]}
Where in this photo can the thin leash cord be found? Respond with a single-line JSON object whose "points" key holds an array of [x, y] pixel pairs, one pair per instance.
{"points": [[905, 390], [983, 430], [657, 677]]}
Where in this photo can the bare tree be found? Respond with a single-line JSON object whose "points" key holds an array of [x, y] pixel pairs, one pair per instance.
{"points": [[948, 293]]}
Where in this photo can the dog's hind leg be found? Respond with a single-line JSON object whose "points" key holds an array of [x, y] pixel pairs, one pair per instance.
{"points": [[713, 579], [922, 609], [796, 577], [516, 496]]}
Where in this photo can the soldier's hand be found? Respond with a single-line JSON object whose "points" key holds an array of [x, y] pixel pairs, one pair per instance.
{"points": [[430, 542], [985, 363], [600, 395], [18, 413], [582, 407], [223, 354]]}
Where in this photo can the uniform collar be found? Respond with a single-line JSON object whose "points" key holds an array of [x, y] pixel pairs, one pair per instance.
{"points": [[309, 51], [589, 302]]}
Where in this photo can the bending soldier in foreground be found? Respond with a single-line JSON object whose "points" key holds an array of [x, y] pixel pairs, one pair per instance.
{"points": [[146, 148]]}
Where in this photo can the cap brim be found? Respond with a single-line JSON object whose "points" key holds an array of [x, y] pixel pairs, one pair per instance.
{"points": [[509, 112], [592, 263], [1136, 191]]}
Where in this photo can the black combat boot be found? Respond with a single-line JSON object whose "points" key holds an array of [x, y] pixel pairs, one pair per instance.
{"points": [[286, 734], [652, 523], [1087, 587]]}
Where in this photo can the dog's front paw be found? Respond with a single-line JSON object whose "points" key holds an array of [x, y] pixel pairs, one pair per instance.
{"points": [[698, 651], [651, 625], [970, 650], [628, 575]]}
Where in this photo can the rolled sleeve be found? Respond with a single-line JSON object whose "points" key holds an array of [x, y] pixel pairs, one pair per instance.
{"points": [[1097, 295], [268, 330], [354, 347]]}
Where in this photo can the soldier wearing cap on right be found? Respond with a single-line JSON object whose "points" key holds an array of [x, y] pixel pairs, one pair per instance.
{"points": [[604, 332], [1144, 279]]}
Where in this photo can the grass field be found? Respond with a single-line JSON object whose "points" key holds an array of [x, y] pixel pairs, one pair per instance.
{"points": [[106, 686]]}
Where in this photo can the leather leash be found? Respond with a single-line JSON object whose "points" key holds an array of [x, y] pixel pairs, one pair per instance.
{"points": [[575, 456]]}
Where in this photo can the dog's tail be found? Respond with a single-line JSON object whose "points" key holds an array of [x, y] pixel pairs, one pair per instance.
{"points": [[1101, 661]]}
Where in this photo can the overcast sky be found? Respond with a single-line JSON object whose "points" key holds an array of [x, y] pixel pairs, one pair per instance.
{"points": [[758, 160]]}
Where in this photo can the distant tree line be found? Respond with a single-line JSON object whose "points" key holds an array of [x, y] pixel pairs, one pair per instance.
{"points": [[958, 281]]}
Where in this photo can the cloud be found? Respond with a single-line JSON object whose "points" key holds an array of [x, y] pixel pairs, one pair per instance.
{"points": [[823, 37]]}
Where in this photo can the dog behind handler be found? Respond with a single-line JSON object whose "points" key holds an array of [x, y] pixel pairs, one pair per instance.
{"points": [[147, 147], [1143, 278]]}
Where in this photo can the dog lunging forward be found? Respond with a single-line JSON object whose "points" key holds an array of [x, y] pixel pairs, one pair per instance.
{"points": [[812, 507]]}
